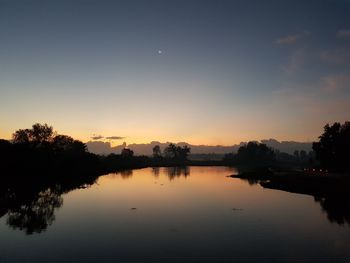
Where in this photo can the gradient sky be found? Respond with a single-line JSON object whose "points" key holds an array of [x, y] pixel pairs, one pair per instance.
{"points": [[228, 71]]}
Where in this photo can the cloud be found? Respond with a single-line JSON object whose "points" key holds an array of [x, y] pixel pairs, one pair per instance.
{"points": [[287, 40], [296, 61], [337, 82], [114, 138], [96, 137], [343, 33], [338, 57]]}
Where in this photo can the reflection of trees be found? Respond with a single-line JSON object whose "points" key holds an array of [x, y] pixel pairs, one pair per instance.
{"points": [[29, 203], [332, 196], [156, 171], [252, 181], [336, 207], [125, 174], [36, 216], [177, 171]]}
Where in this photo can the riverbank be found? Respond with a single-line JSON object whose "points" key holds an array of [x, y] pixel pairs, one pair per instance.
{"points": [[302, 182]]}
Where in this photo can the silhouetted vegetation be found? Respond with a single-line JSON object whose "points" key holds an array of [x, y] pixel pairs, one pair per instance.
{"points": [[41, 150], [333, 147], [56, 160], [255, 156], [252, 154], [301, 172], [176, 153], [157, 154]]}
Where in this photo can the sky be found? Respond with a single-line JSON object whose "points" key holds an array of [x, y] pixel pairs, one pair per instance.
{"points": [[204, 72]]}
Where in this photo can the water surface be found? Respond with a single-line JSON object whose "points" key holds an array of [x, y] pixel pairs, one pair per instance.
{"points": [[196, 214]]}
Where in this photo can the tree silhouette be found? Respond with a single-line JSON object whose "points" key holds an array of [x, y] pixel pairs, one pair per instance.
{"points": [[170, 151], [127, 153], [333, 147], [177, 153], [40, 149], [66, 143], [38, 134], [253, 153], [156, 152]]}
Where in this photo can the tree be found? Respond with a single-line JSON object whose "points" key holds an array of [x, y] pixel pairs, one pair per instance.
{"points": [[333, 147], [41, 133], [183, 152], [303, 156], [170, 151], [38, 134], [255, 153], [21, 136], [177, 152], [127, 153], [68, 144], [156, 152], [296, 155]]}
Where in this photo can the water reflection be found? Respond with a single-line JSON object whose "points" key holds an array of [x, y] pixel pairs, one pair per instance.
{"points": [[177, 171], [126, 174], [31, 206], [337, 208], [37, 215], [172, 172], [156, 171]]}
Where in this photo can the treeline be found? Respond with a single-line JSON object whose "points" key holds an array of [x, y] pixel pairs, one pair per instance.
{"points": [[333, 147], [331, 153], [40, 150], [255, 155]]}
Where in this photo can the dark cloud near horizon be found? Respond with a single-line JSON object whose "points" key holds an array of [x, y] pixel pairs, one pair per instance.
{"points": [[97, 137], [115, 138]]}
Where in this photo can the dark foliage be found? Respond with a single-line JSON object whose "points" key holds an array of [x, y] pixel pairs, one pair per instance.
{"points": [[252, 154], [39, 151], [157, 154], [333, 147], [177, 153]]}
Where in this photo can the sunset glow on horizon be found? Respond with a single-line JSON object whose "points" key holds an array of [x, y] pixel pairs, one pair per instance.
{"points": [[202, 72]]}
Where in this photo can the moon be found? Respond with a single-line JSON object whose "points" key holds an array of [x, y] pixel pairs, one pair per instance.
{"points": [[160, 52]]}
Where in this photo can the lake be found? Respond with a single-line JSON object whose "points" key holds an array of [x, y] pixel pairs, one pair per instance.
{"points": [[193, 214]]}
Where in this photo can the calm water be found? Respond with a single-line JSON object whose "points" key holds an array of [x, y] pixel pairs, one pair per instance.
{"points": [[173, 215]]}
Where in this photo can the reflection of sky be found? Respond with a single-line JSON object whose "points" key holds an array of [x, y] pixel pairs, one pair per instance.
{"points": [[228, 70], [204, 216]]}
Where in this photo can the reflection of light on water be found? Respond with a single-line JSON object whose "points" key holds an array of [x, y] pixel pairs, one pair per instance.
{"points": [[198, 208]]}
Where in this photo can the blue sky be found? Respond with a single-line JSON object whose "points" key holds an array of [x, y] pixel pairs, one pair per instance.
{"points": [[228, 71]]}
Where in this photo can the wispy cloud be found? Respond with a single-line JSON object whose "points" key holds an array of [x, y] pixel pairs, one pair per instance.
{"points": [[340, 56], [287, 40], [296, 61], [96, 137], [115, 138], [343, 33], [336, 82]]}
